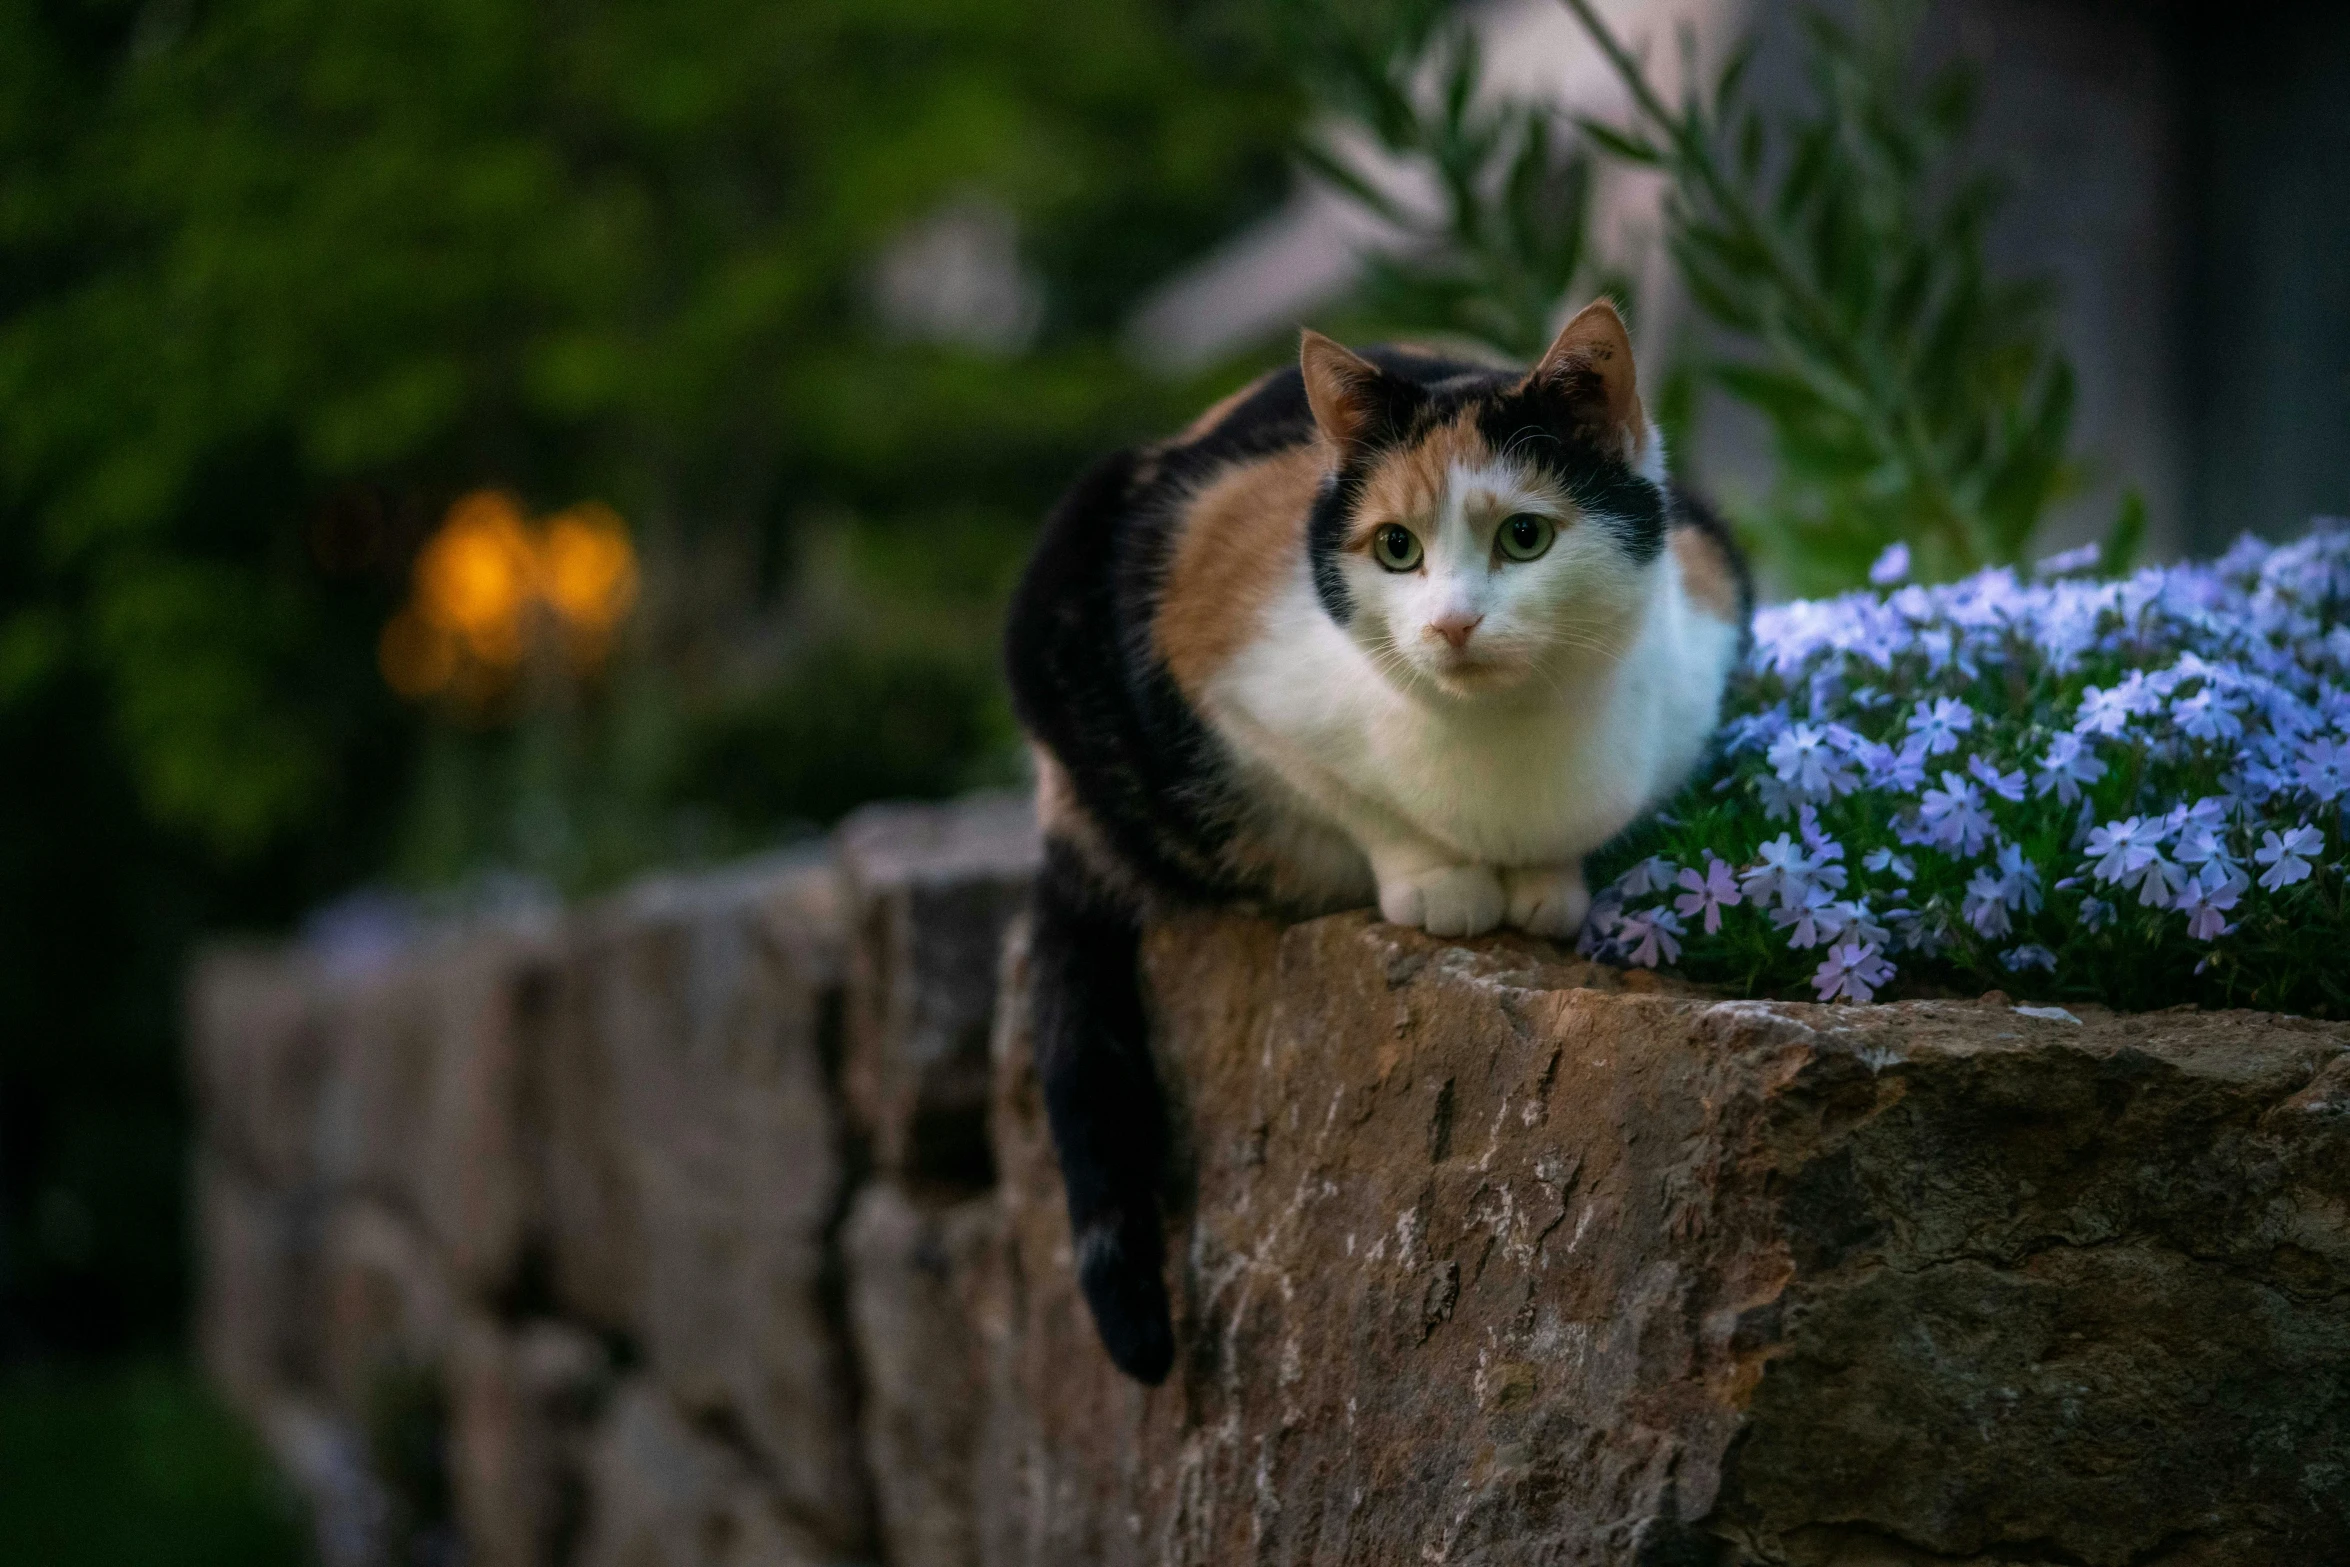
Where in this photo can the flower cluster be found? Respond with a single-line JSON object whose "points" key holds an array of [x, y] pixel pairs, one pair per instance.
{"points": [[2133, 790]]}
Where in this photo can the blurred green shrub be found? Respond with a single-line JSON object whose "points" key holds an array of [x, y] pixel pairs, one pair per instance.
{"points": [[1488, 198], [135, 1467], [1912, 396], [282, 279]]}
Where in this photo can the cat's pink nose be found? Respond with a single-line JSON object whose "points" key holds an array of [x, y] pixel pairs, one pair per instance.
{"points": [[1455, 628]]}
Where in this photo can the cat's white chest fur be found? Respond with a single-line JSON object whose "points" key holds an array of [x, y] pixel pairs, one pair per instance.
{"points": [[1423, 785]]}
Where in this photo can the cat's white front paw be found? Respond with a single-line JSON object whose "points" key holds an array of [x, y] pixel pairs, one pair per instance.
{"points": [[1548, 900], [1459, 900]]}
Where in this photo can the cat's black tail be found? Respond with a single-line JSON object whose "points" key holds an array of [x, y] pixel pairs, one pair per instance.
{"points": [[1101, 1096]]}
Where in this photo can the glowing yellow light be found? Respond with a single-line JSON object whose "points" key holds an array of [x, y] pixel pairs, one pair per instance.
{"points": [[485, 578], [475, 575], [587, 569]]}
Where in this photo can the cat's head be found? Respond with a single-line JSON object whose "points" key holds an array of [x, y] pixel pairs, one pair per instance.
{"points": [[1486, 532]]}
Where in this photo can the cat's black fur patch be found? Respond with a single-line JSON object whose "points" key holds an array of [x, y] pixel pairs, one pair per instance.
{"points": [[1537, 425], [1102, 1100], [1155, 784]]}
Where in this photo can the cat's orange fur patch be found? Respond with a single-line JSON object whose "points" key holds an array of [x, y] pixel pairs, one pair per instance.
{"points": [[1409, 483], [1706, 574], [1228, 563]]}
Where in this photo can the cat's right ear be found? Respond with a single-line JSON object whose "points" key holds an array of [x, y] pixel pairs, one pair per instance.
{"points": [[1350, 395]]}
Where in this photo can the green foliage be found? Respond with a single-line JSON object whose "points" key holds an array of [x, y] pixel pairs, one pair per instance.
{"points": [[1911, 395], [1491, 212], [280, 279], [260, 258], [135, 1467]]}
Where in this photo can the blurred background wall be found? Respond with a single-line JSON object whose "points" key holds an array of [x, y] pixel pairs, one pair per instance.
{"points": [[470, 451]]}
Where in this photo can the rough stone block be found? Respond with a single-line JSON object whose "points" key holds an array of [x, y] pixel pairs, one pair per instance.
{"points": [[662, 1494], [258, 1058], [1481, 1258], [389, 1309], [259, 1310], [696, 1173], [930, 890], [521, 1407], [421, 1106], [917, 1290]]}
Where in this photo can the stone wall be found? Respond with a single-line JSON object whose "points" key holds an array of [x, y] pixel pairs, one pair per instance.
{"points": [[716, 1224]]}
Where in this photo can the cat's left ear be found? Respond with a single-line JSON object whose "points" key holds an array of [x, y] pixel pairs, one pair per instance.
{"points": [[1588, 369]]}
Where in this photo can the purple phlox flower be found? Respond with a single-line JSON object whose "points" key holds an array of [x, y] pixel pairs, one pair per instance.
{"points": [[1774, 862], [2207, 715], [2324, 768], [2108, 712], [1855, 919], [2008, 786], [1952, 817], [2288, 857], [2201, 830], [1887, 860], [2209, 894], [1867, 699], [2243, 559], [1816, 839], [2211, 810], [1653, 874], [1895, 772], [1779, 798], [2030, 955], [1810, 919], [2067, 624], [1709, 894], [2096, 914], [1754, 731], [1892, 566], [2066, 562], [1983, 907], [1789, 874], [1854, 971], [1937, 644], [2121, 849], [1650, 934], [1813, 762], [1940, 726], [2287, 715], [2159, 882], [1598, 936], [2019, 879], [2011, 882], [2198, 845]]}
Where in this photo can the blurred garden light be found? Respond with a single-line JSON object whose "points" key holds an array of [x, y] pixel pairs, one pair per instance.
{"points": [[490, 586]]}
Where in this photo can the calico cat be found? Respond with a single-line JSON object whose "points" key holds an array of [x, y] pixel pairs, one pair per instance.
{"points": [[1389, 627]]}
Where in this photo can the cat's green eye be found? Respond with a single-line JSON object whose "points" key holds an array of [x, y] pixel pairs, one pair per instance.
{"points": [[1524, 536], [1396, 548]]}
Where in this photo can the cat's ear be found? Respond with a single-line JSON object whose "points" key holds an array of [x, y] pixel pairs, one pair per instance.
{"points": [[1588, 368], [1351, 397]]}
